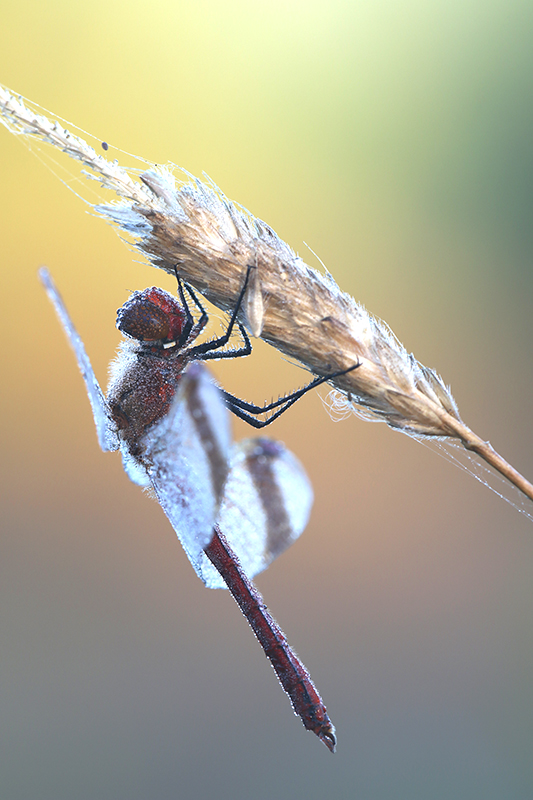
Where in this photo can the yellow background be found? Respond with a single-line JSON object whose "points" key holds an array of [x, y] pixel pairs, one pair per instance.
{"points": [[396, 140]]}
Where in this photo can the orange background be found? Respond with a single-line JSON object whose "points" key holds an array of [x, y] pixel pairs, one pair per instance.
{"points": [[396, 140]]}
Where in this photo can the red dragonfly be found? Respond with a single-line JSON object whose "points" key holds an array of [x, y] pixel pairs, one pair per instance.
{"points": [[234, 507]]}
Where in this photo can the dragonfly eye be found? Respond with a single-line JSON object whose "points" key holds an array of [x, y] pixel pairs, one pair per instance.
{"points": [[143, 320]]}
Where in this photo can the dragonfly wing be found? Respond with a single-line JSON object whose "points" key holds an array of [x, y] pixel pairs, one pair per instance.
{"points": [[186, 457], [105, 428], [266, 505]]}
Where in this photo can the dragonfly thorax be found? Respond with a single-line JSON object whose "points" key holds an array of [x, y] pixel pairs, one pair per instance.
{"points": [[142, 386]]}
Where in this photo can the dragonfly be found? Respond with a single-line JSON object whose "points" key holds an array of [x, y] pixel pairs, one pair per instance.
{"points": [[234, 507]]}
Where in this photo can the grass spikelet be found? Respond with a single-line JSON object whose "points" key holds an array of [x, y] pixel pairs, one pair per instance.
{"points": [[293, 307]]}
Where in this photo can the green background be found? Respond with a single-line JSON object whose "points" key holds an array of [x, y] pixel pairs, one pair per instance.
{"points": [[396, 140]]}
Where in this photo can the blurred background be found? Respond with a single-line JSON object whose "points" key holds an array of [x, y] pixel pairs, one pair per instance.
{"points": [[396, 140]]}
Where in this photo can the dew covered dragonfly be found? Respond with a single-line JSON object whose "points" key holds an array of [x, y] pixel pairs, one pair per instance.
{"points": [[234, 507]]}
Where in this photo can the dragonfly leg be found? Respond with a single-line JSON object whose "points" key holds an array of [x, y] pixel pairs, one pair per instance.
{"points": [[203, 352], [248, 411]]}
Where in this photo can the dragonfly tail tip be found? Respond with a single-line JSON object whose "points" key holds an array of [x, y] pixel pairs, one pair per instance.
{"points": [[327, 735]]}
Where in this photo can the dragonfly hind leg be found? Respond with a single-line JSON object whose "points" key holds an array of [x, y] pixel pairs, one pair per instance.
{"points": [[249, 411]]}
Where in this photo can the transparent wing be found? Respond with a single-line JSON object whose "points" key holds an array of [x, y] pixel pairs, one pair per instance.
{"points": [[105, 428], [266, 506], [186, 456]]}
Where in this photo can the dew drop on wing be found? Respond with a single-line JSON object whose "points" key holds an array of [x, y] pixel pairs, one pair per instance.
{"points": [[180, 468], [266, 505]]}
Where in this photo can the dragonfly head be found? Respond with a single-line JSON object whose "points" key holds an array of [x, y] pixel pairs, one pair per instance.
{"points": [[152, 316]]}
